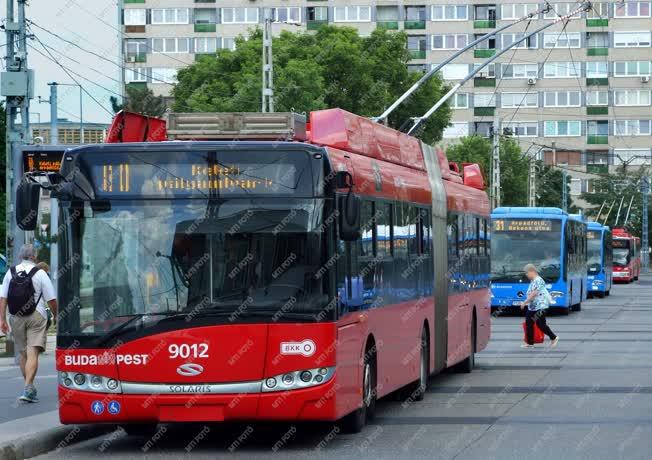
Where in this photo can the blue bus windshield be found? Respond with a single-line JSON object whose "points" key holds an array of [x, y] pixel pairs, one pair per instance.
{"points": [[518, 242], [594, 252]]}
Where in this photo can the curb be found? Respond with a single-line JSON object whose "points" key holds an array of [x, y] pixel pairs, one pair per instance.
{"points": [[49, 440]]}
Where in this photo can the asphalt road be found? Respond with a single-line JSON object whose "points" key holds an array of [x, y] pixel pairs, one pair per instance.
{"points": [[11, 386], [589, 398]]}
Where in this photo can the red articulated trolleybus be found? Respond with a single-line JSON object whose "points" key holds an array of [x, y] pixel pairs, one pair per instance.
{"points": [[626, 256], [275, 269]]}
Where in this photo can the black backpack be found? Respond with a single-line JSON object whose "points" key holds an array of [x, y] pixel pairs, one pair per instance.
{"points": [[21, 293]]}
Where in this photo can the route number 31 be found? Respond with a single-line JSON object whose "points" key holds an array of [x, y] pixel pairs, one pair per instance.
{"points": [[184, 351]]}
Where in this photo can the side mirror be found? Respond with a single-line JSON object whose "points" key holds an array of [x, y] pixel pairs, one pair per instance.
{"points": [[349, 219], [27, 200], [343, 179]]}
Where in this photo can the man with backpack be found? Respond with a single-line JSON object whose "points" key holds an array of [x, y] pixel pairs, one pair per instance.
{"points": [[23, 287]]}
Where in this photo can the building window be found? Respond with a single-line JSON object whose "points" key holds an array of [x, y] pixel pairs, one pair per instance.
{"points": [[460, 101], [561, 70], [632, 10], [562, 128], [597, 69], [449, 41], [561, 99], [135, 16], [455, 71], [135, 47], [516, 100], [631, 39], [529, 43], [561, 9], [522, 128], [290, 14], [562, 40], [518, 10], [632, 128], [170, 45], [352, 14], [240, 15], [599, 10], [205, 45], [484, 100], [317, 13], [631, 97], [228, 43], [453, 130], [632, 156], [483, 128], [597, 40], [520, 70], [487, 72], [631, 68], [415, 13], [597, 157], [164, 75], [387, 14], [416, 42], [597, 128], [450, 12], [597, 98], [136, 75], [485, 12], [170, 16]]}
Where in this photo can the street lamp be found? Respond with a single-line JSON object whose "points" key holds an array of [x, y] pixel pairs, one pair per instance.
{"points": [[54, 112]]}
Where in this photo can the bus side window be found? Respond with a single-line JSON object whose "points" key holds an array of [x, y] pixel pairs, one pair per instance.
{"points": [[453, 251], [383, 230], [366, 272], [426, 267]]}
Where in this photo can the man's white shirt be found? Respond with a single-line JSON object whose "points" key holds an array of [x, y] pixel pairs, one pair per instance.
{"points": [[43, 287]]}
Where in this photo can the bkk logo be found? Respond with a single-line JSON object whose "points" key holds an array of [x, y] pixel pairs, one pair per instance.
{"points": [[305, 348], [190, 369]]}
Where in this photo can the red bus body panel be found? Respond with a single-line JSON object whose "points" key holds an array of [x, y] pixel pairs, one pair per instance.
{"points": [[633, 268]]}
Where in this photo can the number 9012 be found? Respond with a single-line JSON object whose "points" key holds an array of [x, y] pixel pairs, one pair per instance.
{"points": [[184, 351]]}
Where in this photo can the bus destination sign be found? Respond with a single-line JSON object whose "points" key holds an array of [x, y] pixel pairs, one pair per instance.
{"points": [[523, 225], [620, 243]]}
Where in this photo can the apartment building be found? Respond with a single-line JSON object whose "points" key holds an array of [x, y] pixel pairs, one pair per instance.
{"points": [[583, 89]]}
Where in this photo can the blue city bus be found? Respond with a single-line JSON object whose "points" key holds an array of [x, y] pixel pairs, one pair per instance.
{"points": [[599, 259], [548, 238], [587, 287]]}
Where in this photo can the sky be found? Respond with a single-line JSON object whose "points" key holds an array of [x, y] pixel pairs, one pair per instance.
{"points": [[90, 24]]}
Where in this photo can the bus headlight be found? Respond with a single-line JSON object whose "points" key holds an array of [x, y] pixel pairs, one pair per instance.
{"points": [[555, 295], [89, 382], [298, 379], [598, 282]]}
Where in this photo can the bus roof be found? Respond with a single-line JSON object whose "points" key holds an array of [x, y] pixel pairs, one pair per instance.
{"points": [[529, 211], [597, 226]]}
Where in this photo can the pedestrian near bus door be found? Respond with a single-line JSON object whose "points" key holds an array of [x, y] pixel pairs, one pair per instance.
{"points": [[23, 288], [537, 302]]}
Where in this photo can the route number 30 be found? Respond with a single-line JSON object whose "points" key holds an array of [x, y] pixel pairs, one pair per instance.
{"points": [[184, 351]]}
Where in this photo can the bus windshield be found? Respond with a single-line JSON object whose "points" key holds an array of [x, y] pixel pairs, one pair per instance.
{"points": [[594, 252], [515, 244], [621, 252], [192, 259]]}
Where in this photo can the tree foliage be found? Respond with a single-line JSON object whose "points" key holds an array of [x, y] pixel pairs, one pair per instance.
{"points": [[513, 165], [140, 100], [333, 67], [550, 185]]}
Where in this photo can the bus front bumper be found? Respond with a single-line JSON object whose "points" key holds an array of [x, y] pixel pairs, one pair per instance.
{"points": [[314, 403]]}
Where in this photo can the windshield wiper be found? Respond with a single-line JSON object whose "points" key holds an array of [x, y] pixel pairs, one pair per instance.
{"points": [[132, 319]]}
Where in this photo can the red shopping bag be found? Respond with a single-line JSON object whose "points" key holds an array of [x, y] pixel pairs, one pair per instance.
{"points": [[538, 334]]}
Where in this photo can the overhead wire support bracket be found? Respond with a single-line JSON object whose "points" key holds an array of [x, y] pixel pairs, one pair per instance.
{"points": [[428, 75], [417, 121]]}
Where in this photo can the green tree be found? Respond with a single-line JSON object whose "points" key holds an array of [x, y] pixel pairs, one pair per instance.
{"points": [[140, 100], [513, 165], [549, 187], [333, 67]]}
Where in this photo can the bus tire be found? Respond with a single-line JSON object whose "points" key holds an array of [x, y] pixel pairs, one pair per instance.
{"points": [[466, 366], [417, 391], [356, 420], [577, 307], [607, 293], [140, 430]]}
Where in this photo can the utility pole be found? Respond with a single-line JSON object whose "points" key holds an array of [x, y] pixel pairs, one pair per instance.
{"points": [[268, 69], [532, 189], [17, 88], [54, 113], [495, 165], [645, 246], [121, 51]]}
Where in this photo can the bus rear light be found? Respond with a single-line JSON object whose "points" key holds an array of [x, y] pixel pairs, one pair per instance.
{"points": [[298, 379], [90, 382]]}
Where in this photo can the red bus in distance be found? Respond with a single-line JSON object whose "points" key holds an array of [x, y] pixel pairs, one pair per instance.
{"points": [[626, 256]]}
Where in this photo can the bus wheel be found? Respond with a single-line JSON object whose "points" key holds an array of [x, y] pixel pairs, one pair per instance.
{"points": [[577, 307], [417, 390], [356, 420], [607, 293], [141, 430], [466, 366]]}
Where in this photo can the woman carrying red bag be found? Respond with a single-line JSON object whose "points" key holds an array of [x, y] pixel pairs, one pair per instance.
{"points": [[537, 301]]}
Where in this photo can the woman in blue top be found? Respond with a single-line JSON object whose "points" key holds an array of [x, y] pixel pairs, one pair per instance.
{"points": [[537, 301]]}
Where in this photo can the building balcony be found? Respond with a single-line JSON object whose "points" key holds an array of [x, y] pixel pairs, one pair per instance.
{"points": [[414, 25], [600, 110], [314, 25], [417, 54], [597, 168], [597, 139], [483, 53], [597, 81], [139, 57], [205, 27], [597, 51], [597, 22], [387, 25], [137, 84], [199, 56], [481, 82], [484, 24], [484, 111]]}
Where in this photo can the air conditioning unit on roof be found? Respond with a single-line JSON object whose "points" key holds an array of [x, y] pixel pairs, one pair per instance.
{"points": [[531, 81], [645, 79]]}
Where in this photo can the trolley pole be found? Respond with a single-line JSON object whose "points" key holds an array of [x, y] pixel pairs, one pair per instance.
{"points": [[645, 246], [495, 165], [268, 69]]}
